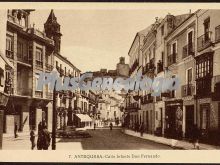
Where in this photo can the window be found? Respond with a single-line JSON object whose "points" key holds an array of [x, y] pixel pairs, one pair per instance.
{"points": [[56, 64], [206, 28], [162, 30], [156, 115], [204, 66], [20, 49], [39, 55], [1, 77], [9, 44], [174, 48], [204, 116], [36, 81], [189, 76]]}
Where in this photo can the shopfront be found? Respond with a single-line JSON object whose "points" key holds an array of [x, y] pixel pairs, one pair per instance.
{"points": [[173, 119]]}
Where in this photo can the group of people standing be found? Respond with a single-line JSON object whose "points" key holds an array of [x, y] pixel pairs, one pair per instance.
{"points": [[43, 141]]}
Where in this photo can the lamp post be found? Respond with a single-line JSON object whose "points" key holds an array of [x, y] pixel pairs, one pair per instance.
{"points": [[54, 120]]}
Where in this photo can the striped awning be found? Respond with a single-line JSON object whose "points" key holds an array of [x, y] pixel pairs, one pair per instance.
{"points": [[84, 117]]}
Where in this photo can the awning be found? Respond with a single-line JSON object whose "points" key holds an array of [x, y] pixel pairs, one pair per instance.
{"points": [[84, 118], [7, 61]]}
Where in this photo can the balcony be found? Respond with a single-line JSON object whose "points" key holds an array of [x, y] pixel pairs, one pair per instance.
{"points": [[149, 67], [203, 87], [49, 67], [39, 94], [133, 107], [204, 41], [49, 95], [9, 54], [188, 50], [188, 90], [217, 34], [147, 99], [39, 64], [24, 91], [171, 59], [23, 59]]}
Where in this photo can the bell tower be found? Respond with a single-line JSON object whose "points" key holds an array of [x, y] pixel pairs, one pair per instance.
{"points": [[52, 30]]}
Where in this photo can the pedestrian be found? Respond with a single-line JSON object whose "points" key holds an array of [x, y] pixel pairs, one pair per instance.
{"points": [[94, 125], [15, 130], [40, 127], [40, 140], [32, 139], [111, 125], [141, 129], [195, 136], [46, 139]]}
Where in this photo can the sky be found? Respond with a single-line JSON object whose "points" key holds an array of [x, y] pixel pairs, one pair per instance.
{"points": [[95, 38]]}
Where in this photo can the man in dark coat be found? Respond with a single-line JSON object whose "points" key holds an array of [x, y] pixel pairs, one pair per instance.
{"points": [[15, 130], [195, 136], [32, 139]]}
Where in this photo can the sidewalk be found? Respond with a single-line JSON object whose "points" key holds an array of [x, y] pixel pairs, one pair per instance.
{"points": [[179, 144]]}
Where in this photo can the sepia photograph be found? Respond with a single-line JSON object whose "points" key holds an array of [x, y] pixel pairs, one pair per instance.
{"points": [[109, 78]]}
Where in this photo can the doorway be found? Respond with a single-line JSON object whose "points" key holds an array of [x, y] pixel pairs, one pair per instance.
{"points": [[189, 120]]}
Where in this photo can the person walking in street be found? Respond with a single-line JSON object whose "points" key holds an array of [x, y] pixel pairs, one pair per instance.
{"points": [[40, 127], [16, 130], [94, 125], [46, 139], [195, 136], [111, 125], [40, 140], [32, 139], [141, 129]]}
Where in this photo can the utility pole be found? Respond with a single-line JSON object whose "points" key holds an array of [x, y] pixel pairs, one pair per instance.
{"points": [[54, 124]]}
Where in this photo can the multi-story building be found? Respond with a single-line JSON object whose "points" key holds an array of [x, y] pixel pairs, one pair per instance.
{"points": [[183, 46], [207, 74], [28, 49], [5, 64], [135, 62], [179, 105]]}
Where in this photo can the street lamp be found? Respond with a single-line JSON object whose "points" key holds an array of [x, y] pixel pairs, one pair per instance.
{"points": [[54, 124]]}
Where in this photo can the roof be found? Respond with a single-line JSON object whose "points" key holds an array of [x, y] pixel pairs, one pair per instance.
{"points": [[142, 32], [52, 18], [66, 60]]}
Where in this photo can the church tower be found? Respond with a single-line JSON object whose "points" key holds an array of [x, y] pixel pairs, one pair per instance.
{"points": [[52, 30]]}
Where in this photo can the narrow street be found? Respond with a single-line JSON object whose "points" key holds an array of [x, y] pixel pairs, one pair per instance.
{"points": [[104, 139]]}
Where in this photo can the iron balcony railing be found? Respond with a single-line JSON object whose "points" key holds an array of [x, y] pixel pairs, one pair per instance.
{"points": [[39, 94], [204, 41], [22, 58], [188, 50], [171, 59], [49, 95], [24, 91], [39, 64], [49, 67], [9, 54], [188, 90]]}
